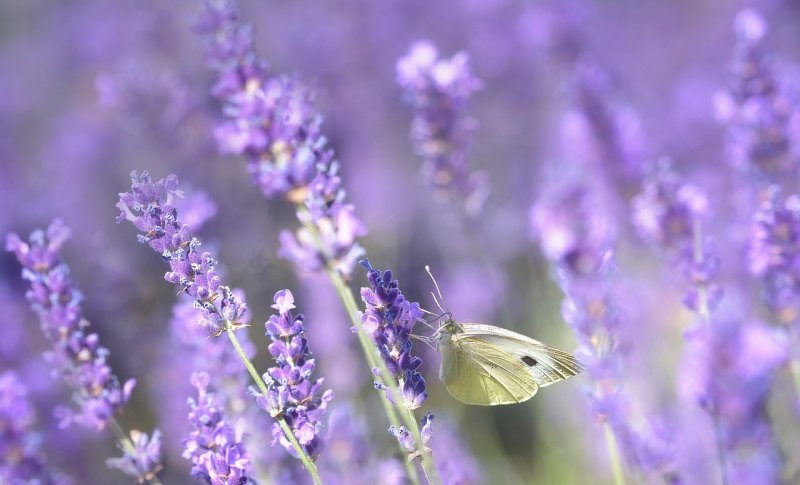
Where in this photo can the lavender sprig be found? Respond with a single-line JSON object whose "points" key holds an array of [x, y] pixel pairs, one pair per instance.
{"points": [[579, 241], [77, 355], [389, 319], [143, 459], [215, 448], [291, 392], [757, 110], [149, 206], [21, 457], [439, 92]]}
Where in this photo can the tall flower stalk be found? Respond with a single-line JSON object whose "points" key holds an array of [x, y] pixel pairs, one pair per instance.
{"points": [[76, 355], [271, 121], [578, 240], [150, 207], [439, 92]]}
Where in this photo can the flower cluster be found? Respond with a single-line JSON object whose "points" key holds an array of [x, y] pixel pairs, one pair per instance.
{"points": [[406, 437], [439, 91], [21, 457], [143, 461], [77, 354], [215, 448], [729, 369], [389, 319], [150, 206], [665, 211], [577, 238], [774, 253], [331, 228], [756, 109], [292, 395]]}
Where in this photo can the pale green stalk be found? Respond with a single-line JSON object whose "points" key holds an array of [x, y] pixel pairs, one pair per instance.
{"points": [[128, 445], [262, 386], [613, 454], [374, 360]]}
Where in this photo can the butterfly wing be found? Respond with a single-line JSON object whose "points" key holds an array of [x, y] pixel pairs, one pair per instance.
{"points": [[476, 372], [547, 365]]}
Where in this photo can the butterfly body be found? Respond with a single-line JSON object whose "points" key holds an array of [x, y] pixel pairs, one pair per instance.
{"points": [[487, 365]]}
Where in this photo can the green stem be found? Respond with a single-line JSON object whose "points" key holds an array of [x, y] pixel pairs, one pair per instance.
{"points": [[613, 454], [262, 386], [374, 360], [127, 445]]}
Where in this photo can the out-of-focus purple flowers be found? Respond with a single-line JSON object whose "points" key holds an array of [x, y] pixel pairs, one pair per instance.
{"points": [[143, 461], [439, 92], [273, 123], [215, 447], [389, 319], [21, 457], [758, 110], [774, 253], [150, 206], [292, 394], [77, 355]]}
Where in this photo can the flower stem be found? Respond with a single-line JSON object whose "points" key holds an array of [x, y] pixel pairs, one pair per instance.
{"points": [[262, 386], [613, 455], [128, 445], [374, 360]]}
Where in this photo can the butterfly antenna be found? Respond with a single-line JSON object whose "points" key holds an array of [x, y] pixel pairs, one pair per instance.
{"points": [[442, 306]]}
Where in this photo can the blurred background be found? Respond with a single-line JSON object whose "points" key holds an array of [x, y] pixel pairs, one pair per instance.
{"points": [[91, 90]]}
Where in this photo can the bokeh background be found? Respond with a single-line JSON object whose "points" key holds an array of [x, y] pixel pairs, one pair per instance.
{"points": [[90, 90]]}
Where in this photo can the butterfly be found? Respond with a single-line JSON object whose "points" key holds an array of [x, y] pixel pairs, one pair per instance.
{"points": [[487, 365]]}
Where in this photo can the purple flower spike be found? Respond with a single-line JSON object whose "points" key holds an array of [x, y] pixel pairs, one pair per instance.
{"points": [[336, 224], [215, 448], [21, 457], [439, 92], [144, 461], [389, 319], [292, 395], [406, 438], [150, 206], [76, 354], [756, 109]]}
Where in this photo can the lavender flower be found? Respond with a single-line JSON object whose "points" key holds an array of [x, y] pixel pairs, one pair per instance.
{"points": [[729, 370], [757, 110], [439, 91], [576, 238], [389, 319], [407, 440], [270, 121], [666, 210], [150, 206], [332, 241], [21, 456], [215, 448], [76, 355], [774, 253], [144, 460], [292, 394]]}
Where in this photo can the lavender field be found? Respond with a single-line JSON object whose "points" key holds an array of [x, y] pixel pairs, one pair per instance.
{"points": [[217, 218]]}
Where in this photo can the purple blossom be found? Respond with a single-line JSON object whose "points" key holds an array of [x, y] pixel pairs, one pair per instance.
{"points": [[439, 92], [665, 211], [215, 447], [21, 456], [332, 244], [774, 253], [729, 369], [76, 355], [292, 395], [389, 319], [757, 110], [576, 236], [150, 206], [406, 437], [144, 461]]}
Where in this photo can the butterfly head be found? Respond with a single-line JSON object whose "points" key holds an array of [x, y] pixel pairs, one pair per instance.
{"points": [[448, 328]]}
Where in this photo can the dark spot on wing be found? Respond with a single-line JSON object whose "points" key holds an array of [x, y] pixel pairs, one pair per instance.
{"points": [[530, 361]]}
